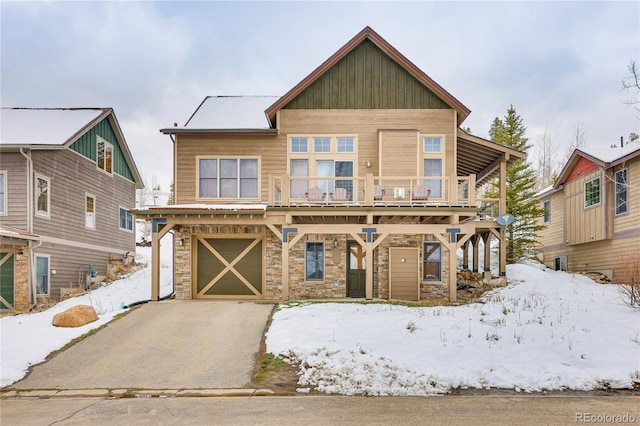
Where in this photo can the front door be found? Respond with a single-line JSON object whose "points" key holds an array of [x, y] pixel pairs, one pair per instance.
{"points": [[356, 270]]}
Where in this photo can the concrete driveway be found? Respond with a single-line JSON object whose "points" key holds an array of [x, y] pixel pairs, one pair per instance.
{"points": [[163, 345]]}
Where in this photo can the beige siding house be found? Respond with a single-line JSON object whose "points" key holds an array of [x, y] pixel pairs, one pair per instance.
{"points": [[68, 182], [593, 219], [358, 182]]}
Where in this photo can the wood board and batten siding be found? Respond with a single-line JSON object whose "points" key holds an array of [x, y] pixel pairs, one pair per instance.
{"points": [[584, 224], [404, 273]]}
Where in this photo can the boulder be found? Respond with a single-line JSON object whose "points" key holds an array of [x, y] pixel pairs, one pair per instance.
{"points": [[75, 316]]}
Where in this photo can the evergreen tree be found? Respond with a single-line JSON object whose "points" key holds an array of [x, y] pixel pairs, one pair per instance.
{"points": [[171, 201], [520, 185]]}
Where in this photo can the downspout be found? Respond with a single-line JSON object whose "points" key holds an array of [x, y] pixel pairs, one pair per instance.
{"points": [[31, 245]]}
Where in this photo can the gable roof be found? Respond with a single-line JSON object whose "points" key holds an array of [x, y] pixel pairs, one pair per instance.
{"points": [[605, 157], [369, 34], [58, 128]]}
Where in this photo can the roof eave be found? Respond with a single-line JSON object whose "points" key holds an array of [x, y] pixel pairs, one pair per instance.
{"points": [[253, 132]]}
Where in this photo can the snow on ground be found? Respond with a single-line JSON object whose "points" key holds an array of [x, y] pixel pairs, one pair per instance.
{"points": [[547, 330], [28, 339]]}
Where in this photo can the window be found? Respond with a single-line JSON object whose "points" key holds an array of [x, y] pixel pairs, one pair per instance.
{"points": [[42, 274], [592, 192], [105, 155], [228, 178], [299, 168], [330, 168], [560, 263], [431, 144], [314, 259], [3, 193], [431, 261], [433, 167], [299, 145], [126, 220], [622, 185], [346, 145], [547, 211], [43, 199], [90, 211], [321, 144]]}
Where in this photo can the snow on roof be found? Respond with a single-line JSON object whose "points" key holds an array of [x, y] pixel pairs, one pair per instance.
{"points": [[44, 126], [609, 154], [232, 112]]}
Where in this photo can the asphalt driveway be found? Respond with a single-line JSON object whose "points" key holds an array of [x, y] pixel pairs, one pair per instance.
{"points": [[163, 345]]}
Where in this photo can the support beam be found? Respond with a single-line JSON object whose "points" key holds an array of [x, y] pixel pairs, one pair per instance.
{"points": [[487, 251], [285, 271], [475, 240], [503, 187], [465, 256], [159, 231]]}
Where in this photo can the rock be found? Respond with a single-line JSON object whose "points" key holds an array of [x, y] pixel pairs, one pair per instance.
{"points": [[75, 316]]}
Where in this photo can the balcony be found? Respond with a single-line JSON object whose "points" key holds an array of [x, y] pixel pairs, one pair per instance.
{"points": [[373, 191]]}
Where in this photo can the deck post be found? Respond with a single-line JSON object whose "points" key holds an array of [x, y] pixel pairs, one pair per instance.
{"points": [[475, 240]]}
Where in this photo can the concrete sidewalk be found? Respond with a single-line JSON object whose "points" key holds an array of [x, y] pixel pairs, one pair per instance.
{"points": [[162, 345]]}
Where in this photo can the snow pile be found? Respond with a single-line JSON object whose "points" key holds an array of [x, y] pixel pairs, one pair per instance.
{"points": [[547, 330]]}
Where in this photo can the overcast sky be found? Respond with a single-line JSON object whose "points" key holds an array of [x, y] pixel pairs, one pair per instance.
{"points": [[558, 63]]}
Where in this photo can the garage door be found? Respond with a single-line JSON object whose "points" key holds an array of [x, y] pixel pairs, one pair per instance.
{"points": [[229, 267], [404, 275], [6, 279]]}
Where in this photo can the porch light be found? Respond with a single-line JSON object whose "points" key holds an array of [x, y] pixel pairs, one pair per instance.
{"points": [[19, 255], [335, 242], [368, 164]]}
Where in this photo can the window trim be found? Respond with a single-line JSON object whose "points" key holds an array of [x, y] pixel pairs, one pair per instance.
{"points": [[41, 213], [625, 185], [5, 198], [423, 278], [599, 192], [133, 221], [258, 159], [546, 205], [324, 261], [106, 144], [86, 213]]}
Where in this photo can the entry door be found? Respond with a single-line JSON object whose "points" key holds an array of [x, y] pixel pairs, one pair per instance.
{"points": [[404, 273], [229, 267], [357, 267], [6, 279]]}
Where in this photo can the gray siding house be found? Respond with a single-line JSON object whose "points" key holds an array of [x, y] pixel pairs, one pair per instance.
{"points": [[67, 183]]}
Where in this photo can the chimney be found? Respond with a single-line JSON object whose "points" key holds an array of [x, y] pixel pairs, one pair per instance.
{"points": [[621, 141]]}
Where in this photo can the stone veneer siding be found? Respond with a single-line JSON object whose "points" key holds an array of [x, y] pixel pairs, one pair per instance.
{"points": [[334, 284]]}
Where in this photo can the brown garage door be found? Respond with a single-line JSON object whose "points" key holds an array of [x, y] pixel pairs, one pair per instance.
{"points": [[229, 267], [404, 276]]}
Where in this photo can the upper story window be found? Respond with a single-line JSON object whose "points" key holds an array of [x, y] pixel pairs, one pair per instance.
{"points": [[622, 185], [592, 192], [431, 144], [346, 145], [90, 211], [321, 144], [3, 192], [104, 153], [126, 220], [228, 178], [299, 145], [43, 196], [547, 211]]}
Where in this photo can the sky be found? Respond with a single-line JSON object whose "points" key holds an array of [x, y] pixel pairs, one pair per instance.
{"points": [[558, 63]]}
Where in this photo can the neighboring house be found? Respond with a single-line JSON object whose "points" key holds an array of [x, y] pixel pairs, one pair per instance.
{"points": [[67, 183], [593, 214], [358, 182]]}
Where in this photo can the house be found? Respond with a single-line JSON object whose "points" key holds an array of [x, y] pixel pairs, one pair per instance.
{"points": [[592, 214], [357, 182], [67, 183]]}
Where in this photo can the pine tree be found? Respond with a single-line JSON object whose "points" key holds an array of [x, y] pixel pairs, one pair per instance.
{"points": [[520, 185], [171, 201]]}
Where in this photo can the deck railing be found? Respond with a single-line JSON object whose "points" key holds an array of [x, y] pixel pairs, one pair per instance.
{"points": [[372, 191]]}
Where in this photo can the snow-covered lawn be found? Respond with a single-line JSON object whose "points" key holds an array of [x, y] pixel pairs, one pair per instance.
{"points": [[547, 330], [27, 339]]}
